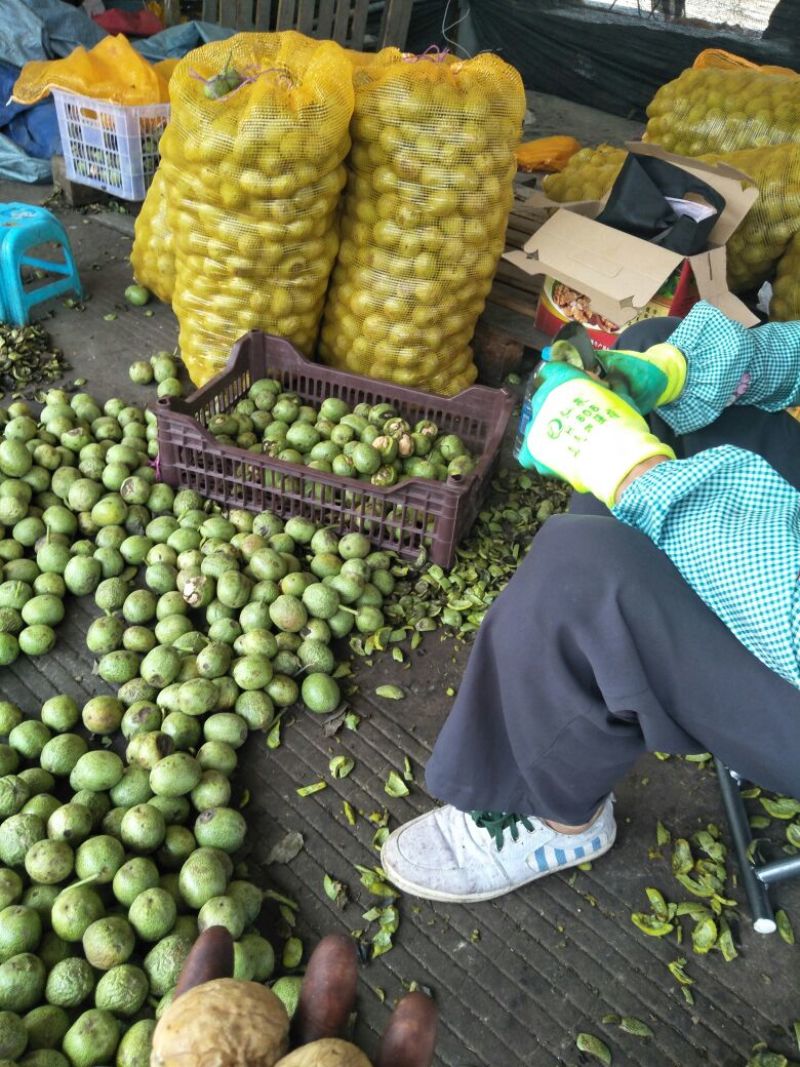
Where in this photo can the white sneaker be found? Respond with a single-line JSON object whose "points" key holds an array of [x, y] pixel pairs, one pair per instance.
{"points": [[452, 855]]}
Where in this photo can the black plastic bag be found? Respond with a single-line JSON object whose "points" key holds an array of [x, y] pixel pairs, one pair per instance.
{"points": [[638, 205]]}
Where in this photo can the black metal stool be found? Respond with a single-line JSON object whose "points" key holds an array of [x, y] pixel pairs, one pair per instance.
{"points": [[757, 877]]}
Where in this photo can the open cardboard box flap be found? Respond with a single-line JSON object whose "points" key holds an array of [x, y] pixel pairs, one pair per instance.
{"points": [[621, 273]]}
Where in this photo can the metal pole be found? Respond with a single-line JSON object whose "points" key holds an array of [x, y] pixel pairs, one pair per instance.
{"points": [[778, 870], [756, 890]]}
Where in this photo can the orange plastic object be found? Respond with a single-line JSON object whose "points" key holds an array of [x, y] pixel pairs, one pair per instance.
{"points": [[722, 60], [547, 153]]}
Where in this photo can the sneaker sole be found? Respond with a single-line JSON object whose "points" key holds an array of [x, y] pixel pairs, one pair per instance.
{"points": [[475, 898]]}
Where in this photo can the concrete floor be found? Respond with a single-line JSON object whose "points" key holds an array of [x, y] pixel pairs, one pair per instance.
{"points": [[516, 979]]}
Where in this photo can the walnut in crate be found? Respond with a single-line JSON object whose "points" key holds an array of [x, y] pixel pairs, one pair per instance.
{"points": [[223, 1023]]}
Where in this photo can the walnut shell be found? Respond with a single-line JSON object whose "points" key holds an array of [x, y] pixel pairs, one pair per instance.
{"points": [[223, 1023], [328, 1052]]}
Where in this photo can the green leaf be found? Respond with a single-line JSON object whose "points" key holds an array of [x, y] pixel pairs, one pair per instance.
{"points": [[408, 773], [593, 1046], [663, 836], [349, 814], [341, 766], [725, 942], [351, 720], [611, 1020], [274, 736], [390, 692], [395, 786], [657, 902], [379, 837], [796, 1028]]}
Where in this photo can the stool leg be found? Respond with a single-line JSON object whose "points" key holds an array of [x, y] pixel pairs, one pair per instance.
{"points": [[757, 895]]}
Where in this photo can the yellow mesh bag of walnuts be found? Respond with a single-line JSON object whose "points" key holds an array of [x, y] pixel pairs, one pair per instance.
{"points": [[253, 161], [424, 216], [714, 110]]}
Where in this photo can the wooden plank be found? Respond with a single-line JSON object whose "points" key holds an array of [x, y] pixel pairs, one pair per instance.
{"points": [[210, 12], [286, 13], [500, 296], [304, 22], [510, 275], [244, 15], [358, 25], [263, 15], [341, 21], [324, 24], [227, 13], [394, 25]]}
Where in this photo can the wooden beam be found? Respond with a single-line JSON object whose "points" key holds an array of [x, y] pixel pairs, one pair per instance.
{"points": [[286, 14], [395, 22], [227, 13]]}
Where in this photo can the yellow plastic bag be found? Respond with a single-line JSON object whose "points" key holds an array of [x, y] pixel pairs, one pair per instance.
{"points": [[547, 153], [113, 70], [424, 216], [715, 110], [722, 60], [249, 185]]}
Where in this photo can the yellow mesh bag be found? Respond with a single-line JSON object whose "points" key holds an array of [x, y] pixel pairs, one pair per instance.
{"points": [[715, 110], [424, 216], [153, 256], [588, 175], [112, 70], [770, 224], [785, 303], [253, 176]]}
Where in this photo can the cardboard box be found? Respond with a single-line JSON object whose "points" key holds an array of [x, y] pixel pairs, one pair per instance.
{"points": [[608, 280]]}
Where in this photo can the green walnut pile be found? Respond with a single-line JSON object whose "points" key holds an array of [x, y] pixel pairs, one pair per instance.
{"points": [[372, 443], [588, 175], [117, 828]]}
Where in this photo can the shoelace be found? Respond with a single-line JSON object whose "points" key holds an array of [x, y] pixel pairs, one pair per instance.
{"points": [[495, 823]]}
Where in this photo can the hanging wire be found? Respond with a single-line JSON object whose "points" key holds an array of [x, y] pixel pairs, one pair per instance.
{"points": [[446, 27]]}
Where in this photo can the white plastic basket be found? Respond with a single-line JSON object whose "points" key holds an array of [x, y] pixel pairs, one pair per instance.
{"points": [[110, 146]]}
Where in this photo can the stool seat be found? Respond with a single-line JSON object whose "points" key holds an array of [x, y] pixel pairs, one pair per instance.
{"points": [[24, 227]]}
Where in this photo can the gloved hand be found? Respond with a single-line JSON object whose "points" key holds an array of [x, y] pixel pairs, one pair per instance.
{"points": [[645, 379], [585, 434]]}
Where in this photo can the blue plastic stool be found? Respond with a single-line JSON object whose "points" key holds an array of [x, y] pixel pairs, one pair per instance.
{"points": [[23, 227]]}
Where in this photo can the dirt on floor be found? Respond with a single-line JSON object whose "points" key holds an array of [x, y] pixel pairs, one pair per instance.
{"points": [[516, 979]]}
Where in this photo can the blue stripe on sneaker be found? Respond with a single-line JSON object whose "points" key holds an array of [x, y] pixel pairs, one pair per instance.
{"points": [[541, 859], [596, 843], [580, 852], [561, 856]]}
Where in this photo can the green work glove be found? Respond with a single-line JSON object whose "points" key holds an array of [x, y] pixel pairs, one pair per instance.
{"points": [[585, 434], [645, 379]]}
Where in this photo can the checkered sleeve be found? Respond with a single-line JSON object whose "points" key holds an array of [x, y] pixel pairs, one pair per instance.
{"points": [[726, 363], [731, 525]]}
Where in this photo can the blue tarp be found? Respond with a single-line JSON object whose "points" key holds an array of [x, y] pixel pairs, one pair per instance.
{"points": [[50, 29]]}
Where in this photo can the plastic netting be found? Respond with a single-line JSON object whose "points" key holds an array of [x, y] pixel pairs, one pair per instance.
{"points": [[716, 110], [153, 255], [112, 70], [785, 303], [424, 216], [588, 175], [771, 223], [252, 174]]}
